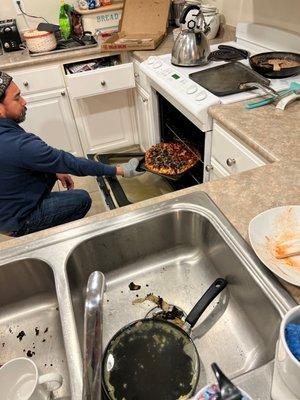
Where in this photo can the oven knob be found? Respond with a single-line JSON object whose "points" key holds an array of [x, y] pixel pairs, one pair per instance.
{"points": [[183, 82], [151, 60], [201, 96], [157, 64], [191, 89]]}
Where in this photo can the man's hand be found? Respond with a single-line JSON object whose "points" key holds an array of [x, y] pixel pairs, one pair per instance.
{"points": [[66, 181], [128, 170]]}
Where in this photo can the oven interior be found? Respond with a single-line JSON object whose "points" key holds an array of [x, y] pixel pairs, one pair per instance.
{"points": [[174, 126]]}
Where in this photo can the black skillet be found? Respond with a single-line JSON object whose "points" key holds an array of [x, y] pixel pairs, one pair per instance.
{"points": [[259, 62], [155, 359]]}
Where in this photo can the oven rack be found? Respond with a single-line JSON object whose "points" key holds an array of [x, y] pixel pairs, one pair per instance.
{"points": [[187, 143]]}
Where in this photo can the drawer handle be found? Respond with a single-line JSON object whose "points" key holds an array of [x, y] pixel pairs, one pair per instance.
{"points": [[230, 162], [26, 84], [209, 167], [136, 75], [145, 100], [103, 83], [63, 93]]}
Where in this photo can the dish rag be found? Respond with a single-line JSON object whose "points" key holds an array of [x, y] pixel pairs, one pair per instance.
{"points": [[292, 337]]}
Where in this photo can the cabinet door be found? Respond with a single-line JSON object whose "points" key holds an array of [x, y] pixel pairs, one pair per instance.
{"points": [[230, 153], [106, 122], [50, 116], [142, 103]]}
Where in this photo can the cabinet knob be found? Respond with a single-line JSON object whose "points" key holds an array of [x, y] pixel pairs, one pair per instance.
{"points": [[145, 100], [103, 83], [26, 83], [230, 162], [136, 75], [63, 93], [209, 168]]}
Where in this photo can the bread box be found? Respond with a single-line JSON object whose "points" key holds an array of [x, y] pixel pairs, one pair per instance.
{"points": [[142, 27]]}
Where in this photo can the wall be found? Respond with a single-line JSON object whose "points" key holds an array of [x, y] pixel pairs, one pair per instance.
{"points": [[280, 13], [35, 7], [48, 9]]}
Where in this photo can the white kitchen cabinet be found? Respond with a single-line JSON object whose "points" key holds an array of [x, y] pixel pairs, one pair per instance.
{"points": [[106, 122], [50, 116], [143, 116], [39, 79], [229, 155], [140, 77], [103, 105], [100, 81]]}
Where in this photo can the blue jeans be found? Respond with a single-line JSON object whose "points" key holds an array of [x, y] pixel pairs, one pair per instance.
{"points": [[55, 209]]}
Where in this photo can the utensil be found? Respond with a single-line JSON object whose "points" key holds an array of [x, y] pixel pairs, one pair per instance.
{"points": [[269, 227], [228, 390], [286, 100], [261, 64], [288, 247], [155, 359], [191, 46], [21, 380], [92, 342], [282, 93]]}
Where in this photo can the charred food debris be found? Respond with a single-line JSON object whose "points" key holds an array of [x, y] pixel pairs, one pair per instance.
{"points": [[20, 335], [133, 286]]}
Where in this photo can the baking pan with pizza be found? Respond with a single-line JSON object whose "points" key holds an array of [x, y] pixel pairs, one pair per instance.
{"points": [[170, 160]]}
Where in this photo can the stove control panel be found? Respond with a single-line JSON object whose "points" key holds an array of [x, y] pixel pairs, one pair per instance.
{"points": [[174, 83], [182, 83]]}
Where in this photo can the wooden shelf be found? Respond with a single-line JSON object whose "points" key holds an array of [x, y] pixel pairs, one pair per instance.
{"points": [[112, 7]]}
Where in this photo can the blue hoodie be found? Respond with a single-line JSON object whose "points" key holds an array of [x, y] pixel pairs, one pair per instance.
{"points": [[25, 161]]}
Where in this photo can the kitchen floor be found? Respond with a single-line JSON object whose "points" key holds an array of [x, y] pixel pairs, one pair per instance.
{"points": [[87, 183]]}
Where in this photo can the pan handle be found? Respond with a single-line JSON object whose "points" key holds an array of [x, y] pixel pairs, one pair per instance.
{"points": [[212, 292]]}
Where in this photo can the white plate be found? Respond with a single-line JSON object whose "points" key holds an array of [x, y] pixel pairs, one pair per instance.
{"points": [[265, 229]]}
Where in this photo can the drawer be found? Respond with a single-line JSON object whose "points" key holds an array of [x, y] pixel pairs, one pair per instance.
{"points": [[38, 79], [231, 154], [100, 81]]}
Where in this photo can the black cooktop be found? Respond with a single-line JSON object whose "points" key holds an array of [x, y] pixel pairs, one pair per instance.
{"points": [[226, 79]]}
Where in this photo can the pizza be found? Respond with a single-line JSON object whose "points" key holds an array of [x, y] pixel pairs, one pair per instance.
{"points": [[170, 158]]}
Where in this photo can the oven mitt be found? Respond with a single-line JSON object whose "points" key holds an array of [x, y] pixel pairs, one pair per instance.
{"points": [[129, 168]]}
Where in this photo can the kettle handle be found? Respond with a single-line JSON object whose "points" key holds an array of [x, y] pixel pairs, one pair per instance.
{"points": [[186, 11]]}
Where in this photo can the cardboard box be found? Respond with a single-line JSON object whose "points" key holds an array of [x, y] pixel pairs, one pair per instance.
{"points": [[104, 20], [142, 27]]}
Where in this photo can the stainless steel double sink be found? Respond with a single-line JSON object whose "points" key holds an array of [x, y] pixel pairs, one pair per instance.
{"points": [[174, 249]]}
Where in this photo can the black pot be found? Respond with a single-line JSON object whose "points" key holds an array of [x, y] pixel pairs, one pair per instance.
{"points": [[259, 62], [155, 359]]}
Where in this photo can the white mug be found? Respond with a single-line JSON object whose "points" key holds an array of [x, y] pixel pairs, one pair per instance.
{"points": [[20, 380], [286, 363]]}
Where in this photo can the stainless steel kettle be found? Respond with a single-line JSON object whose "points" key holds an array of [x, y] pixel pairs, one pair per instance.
{"points": [[191, 47]]}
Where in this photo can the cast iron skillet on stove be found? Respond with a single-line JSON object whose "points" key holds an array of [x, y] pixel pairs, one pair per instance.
{"points": [[154, 358], [260, 63]]}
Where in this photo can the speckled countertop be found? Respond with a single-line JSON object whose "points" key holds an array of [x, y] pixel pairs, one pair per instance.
{"points": [[275, 136], [272, 133], [21, 59]]}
